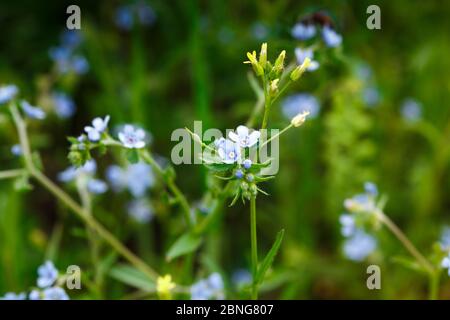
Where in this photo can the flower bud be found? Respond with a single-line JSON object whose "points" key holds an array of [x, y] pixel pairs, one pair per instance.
{"points": [[263, 55], [274, 86], [297, 72], [279, 63], [255, 64], [299, 119]]}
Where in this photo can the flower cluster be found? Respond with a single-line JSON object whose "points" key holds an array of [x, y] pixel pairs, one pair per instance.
{"points": [[127, 15], [306, 29], [211, 288], [47, 286], [65, 57], [85, 176], [358, 243]]}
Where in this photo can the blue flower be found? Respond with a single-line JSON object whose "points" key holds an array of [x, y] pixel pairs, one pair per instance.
{"points": [[228, 151], [14, 296], [446, 263], [140, 210], [411, 110], [79, 64], [239, 174], [243, 137], [137, 178], [35, 295], [55, 293], [210, 288], [371, 189], [47, 275], [64, 105], [302, 54], [299, 103], [241, 278], [131, 137], [302, 31], [31, 111], [72, 172], [348, 226], [331, 37], [359, 246], [95, 131], [259, 31], [7, 93], [71, 38], [97, 186], [146, 14], [247, 164], [16, 150], [125, 15], [371, 96]]}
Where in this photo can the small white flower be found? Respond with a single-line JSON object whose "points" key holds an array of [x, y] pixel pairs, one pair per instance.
{"points": [[228, 150], [243, 137], [131, 137], [31, 111], [95, 131]]}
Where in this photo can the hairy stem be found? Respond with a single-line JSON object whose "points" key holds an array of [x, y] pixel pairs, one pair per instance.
{"points": [[13, 173], [254, 245]]}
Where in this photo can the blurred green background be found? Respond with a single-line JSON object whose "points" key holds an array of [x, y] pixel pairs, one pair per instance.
{"points": [[185, 64]]}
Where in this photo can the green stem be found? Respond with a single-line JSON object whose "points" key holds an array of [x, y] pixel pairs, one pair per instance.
{"points": [[434, 286], [277, 135], [405, 242], [267, 103], [13, 173], [71, 204], [254, 245]]}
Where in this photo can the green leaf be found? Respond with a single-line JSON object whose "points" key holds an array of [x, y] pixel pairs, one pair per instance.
{"points": [[131, 276], [185, 244], [132, 156], [268, 260], [219, 167], [409, 264]]}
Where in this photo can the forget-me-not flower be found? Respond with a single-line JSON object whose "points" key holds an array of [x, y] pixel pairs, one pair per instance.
{"points": [[131, 137], [95, 131], [302, 31], [359, 246], [64, 105], [14, 296], [348, 225], [137, 177], [229, 151], [243, 137], [89, 168], [300, 103], [241, 277], [302, 54], [371, 96], [16, 150], [411, 110], [55, 293], [7, 93], [209, 288], [97, 186], [140, 210], [32, 111], [47, 275], [331, 37]]}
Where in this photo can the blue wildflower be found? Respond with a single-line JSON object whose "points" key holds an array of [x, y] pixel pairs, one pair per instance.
{"points": [[239, 174], [71, 38], [331, 37], [445, 238], [131, 137], [241, 278], [243, 137], [14, 296], [371, 189], [97, 186], [7, 93], [228, 151], [247, 164], [72, 172], [55, 293], [411, 110], [35, 295], [300, 103], [31, 111], [302, 54], [16, 150], [47, 275], [348, 225], [125, 15], [371, 96], [259, 31], [359, 246], [136, 177], [140, 210], [302, 31], [64, 105], [210, 288]]}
